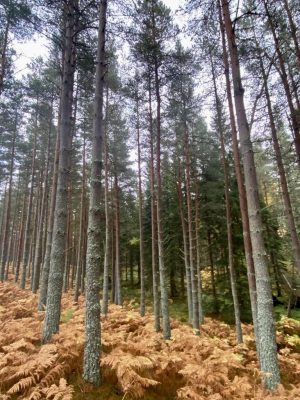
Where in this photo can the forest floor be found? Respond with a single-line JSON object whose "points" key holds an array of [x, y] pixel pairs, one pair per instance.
{"points": [[136, 361]]}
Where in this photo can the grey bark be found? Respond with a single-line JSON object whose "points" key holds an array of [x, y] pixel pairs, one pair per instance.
{"points": [[81, 227], [185, 245], [26, 249], [107, 222], [5, 238], [21, 237], [57, 257], [289, 214], [156, 305], [285, 82], [118, 292], [266, 329], [194, 285], [140, 197], [198, 252], [240, 182], [232, 273], [40, 234], [46, 262], [91, 371]]}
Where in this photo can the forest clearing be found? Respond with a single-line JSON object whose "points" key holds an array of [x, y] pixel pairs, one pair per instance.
{"points": [[136, 362], [149, 196]]}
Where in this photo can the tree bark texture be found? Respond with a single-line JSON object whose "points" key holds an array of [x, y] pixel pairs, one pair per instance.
{"points": [[92, 348], [57, 256], [266, 329]]}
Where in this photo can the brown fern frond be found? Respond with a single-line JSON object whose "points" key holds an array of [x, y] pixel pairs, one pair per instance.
{"points": [[22, 385], [61, 392]]}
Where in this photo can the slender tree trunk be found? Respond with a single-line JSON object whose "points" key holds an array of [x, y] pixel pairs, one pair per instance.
{"points": [[26, 249], [282, 176], [283, 74], [57, 257], [293, 30], [194, 286], [39, 243], [84, 250], [160, 240], [37, 217], [140, 197], [233, 283], [46, 263], [13, 234], [266, 329], [185, 245], [156, 305], [118, 292], [112, 249], [68, 246], [92, 347], [3, 56], [240, 183], [107, 222], [212, 273], [81, 227], [21, 237], [3, 209], [5, 237], [198, 252]]}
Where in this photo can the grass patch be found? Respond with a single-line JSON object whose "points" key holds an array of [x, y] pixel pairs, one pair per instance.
{"points": [[67, 315], [280, 311]]}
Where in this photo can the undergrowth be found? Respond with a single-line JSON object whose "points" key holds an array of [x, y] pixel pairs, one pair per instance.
{"points": [[136, 361]]}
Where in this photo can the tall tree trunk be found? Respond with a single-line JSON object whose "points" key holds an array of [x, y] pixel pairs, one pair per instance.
{"points": [[160, 239], [212, 272], [156, 305], [91, 370], [5, 237], [140, 197], [21, 236], [240, 183], [46, 263], [185, 245], [3, 56], [68, 245], [13, 233], [107, 222], [282, 176], [118, 274], [84, 250], [233, 283], [81, 227], [197, 232], [266, 329], [40, 235], [194, 285], [26, 249], [57, 257], [285, 82], [293, 30], [37, 217]]}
